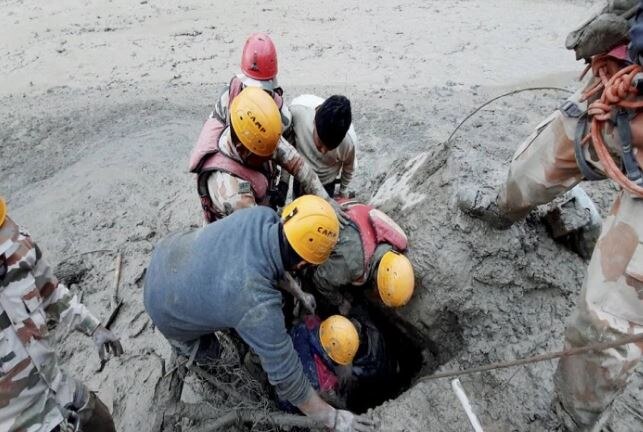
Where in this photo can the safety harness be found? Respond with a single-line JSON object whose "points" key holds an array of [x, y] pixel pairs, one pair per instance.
{"points": [[374, 227], [615, 100], [236, 85], [207, 158]]}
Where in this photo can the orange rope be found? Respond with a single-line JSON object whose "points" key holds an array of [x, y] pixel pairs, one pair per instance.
{"points": [[617, 92]]}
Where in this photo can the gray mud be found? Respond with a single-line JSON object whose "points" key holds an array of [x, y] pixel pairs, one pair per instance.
{"points": [[486, 295], [101, 102], [114, 178]]}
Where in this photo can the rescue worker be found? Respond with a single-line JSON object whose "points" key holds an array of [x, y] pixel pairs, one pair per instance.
{"points": [[369, 252], [340, 354], [551, 161], [225, 275], [323, 346], [258, 69], [36, 394], [323, 134], [236, 165]]}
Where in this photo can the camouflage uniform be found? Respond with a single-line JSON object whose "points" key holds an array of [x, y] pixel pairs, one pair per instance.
{"points": [[33, 388], [229, 193], [611, 302], [223, 104]]}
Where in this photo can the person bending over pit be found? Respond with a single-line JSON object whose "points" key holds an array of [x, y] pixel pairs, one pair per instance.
{"points": [[226, 276], [323, 134], [37, 395], [341, 354], [369, 252], [236, 165]]}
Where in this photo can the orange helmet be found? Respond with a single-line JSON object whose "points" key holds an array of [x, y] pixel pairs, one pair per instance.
{"points": [[3, 210], [256, 120], [395, 279], [259, 58], [311, 228], [339, 338]]}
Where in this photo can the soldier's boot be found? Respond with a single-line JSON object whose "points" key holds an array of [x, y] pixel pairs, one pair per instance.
{"points": [[87, 413], [483, 206], [574, 219], [95, 416], [569, 425]]}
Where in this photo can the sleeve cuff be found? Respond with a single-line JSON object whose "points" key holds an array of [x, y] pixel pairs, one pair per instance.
{"points": [[88, 325]]}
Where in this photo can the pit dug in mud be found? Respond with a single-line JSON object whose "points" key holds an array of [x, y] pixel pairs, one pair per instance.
{"points": [[232, 392]]}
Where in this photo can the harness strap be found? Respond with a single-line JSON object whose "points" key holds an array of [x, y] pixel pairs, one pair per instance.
{"points": [[623, 118], [589, 172], [617, 91]]}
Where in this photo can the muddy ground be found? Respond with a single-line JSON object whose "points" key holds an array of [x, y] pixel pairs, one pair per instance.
{"points": [[101, 103]]}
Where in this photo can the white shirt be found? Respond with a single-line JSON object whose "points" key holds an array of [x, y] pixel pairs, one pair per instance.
{"points": [[329, 166]]}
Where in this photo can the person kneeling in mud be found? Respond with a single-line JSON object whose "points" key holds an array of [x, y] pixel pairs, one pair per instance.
{"points": [[226, 275], [340, 355], [369, 252]]}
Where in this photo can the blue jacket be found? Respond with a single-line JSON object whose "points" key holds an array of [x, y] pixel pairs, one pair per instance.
{"points": [[225, 275], [636, 35]]}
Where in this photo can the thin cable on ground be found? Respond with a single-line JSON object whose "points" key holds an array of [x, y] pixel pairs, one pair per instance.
{"points": [[601, 346], [513, 92]]}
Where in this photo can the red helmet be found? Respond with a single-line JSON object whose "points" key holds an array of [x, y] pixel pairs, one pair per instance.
{"points": [[259, 58]]}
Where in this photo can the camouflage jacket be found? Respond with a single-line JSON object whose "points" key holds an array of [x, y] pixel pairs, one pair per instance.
{"points": [[229, 193], [222, 108], [32, 385]]}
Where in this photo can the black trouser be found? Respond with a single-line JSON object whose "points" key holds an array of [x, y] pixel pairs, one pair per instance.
{"points": [[297, 190]]}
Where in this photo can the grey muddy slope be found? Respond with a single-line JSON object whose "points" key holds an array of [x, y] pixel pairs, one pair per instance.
{"points": [[111, 176]]}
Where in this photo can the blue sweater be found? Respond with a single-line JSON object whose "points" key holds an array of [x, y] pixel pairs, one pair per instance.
{"points": [[225, 275]]}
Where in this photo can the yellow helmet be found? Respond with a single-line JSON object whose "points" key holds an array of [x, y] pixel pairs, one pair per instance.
{"points": [[3, 210], [256, 120], [395, 279], [311, 228], [339, 338]]}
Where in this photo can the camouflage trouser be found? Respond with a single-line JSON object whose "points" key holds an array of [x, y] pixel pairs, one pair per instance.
{"points": [[611, 303]]}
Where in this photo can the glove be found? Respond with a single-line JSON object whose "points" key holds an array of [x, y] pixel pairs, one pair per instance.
{"points": [[106, 341], [309, 303], [346, 421]]}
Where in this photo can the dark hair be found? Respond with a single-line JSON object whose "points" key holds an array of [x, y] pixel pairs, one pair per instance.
{"points": [[289, 257], [332, 120]]}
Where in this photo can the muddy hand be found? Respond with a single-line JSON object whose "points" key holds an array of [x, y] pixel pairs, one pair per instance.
{"points": [[346, 421], [341, 214], [106, 342], [309, 302]]}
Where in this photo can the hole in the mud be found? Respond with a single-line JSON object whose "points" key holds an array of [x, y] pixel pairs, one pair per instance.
{"points": [[399, 357], [406, 362]]}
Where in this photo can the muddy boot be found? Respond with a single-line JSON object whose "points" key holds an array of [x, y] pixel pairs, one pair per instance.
{"points": [[574, 220], [570, 425], [566, 421], [482, 206]]}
